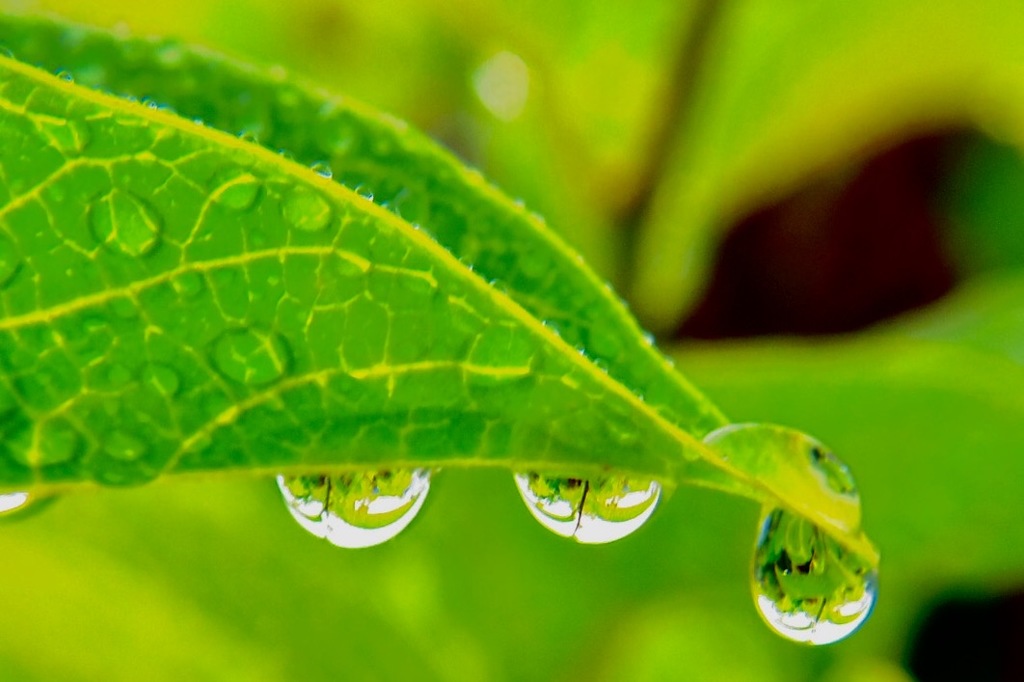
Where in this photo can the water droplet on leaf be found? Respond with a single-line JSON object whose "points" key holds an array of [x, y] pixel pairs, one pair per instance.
{"points": [[188, 284], [161, 378], [355, 510], [323, 169], [66, 76], [306, 210], [251, 356], [807, 586], [123, 222], [236, 189], [592, 512]]}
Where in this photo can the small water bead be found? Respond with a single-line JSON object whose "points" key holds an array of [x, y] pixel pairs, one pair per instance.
{"points": [[188, 284], [236, 189], [12, 502], [251, 356], [807, 586], [322, 169], [161, 379], [306, 210], [123, 222], [591, 512], [359, 509]]}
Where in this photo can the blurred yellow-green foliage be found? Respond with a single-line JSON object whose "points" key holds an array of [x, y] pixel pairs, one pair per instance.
{"points": [[642, 131]]}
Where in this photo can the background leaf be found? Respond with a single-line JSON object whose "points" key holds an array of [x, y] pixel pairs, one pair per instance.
{"points": [[787, 93]]}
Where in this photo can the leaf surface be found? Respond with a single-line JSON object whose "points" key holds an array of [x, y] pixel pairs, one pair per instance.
{"points": [[178, 299]]}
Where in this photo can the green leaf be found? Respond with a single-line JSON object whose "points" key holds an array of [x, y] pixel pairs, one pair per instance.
{"points": [[182, 300]]}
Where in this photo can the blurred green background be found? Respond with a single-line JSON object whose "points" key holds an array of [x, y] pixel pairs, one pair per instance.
{"points": [[817, 207]]}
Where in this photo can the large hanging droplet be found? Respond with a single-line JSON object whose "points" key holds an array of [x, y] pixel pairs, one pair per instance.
{"points": [[807, 586], [591, 512], [355, 510]]}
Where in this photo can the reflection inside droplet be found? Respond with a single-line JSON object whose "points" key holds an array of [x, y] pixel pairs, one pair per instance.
{"points": [[591, 512], [807, 587], [356, 509]]}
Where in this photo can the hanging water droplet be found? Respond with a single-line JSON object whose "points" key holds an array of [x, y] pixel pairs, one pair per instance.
{"points": [[323, 169], [306, 210], [123, 222], [10, 260], [251, 356], [12, 502], [592, 512], [356, 510], [807, 586]]}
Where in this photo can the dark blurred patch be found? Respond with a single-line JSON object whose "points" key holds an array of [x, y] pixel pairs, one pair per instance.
{"points": [[978, 639], [839, 255]]}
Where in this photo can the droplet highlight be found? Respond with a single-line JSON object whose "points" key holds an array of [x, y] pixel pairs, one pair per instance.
{"points": [[13, 502], [124, 223], [807, 587], [356, 510], [251, 356], [591, 512]]}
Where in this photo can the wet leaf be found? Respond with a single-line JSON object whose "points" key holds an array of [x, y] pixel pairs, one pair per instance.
{"points": [[180, 299]]}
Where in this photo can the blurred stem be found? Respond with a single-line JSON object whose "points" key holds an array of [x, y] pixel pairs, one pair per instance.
{"points": [[695, 39]]}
